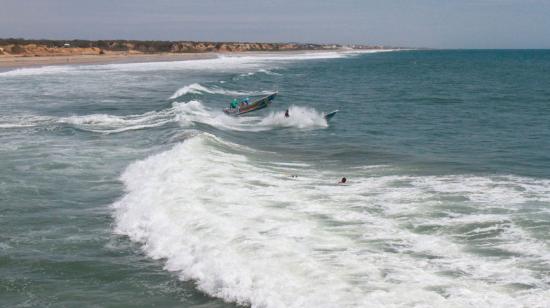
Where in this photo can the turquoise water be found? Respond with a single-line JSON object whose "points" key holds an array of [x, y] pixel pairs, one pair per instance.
{"points": [[125, 184]]}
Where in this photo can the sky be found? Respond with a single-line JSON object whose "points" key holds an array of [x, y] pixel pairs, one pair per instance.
{"points": [[407, 23]]}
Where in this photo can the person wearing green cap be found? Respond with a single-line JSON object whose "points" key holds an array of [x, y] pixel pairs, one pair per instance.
{"points": [[234, 103]]}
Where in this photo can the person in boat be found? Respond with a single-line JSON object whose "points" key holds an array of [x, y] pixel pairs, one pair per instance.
{"points": [[244, 102], [343, 181], [287, 114], [234, 103]]}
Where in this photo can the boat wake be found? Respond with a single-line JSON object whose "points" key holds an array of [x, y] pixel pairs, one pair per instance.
{"points": [[185, 114], [302, 118]]}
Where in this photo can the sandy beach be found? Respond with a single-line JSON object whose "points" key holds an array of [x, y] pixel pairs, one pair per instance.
{"points": [[11, 62], [17, 53]]}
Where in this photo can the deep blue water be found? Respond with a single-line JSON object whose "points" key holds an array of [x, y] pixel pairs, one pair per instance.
{"points": [[125, 184]]}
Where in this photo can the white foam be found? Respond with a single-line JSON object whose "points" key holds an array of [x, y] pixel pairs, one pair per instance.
{"points": [[268, 72], [197, 88], [498, 190], [253, 235], [232, 63], [43, 70], [299, 117], [187, 114], [14, 125], [263, 71], [194, 88], [105, 123], [14, 122]]}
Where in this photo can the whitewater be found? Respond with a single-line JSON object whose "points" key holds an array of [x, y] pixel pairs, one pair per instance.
{"points": [[274, 241], [126, 184]]}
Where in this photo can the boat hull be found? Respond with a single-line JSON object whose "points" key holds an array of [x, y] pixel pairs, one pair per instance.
{"points": [[329, 115], [257, 105]]}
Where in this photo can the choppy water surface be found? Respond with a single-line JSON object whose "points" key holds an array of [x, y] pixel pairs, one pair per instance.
{"points": [[125, 184]]}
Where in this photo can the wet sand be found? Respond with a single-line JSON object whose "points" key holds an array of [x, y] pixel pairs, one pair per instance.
{"points": [[11, 62]]}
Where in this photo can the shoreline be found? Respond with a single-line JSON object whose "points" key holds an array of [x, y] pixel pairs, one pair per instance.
{"points": [[9, 62], [16, 62]]}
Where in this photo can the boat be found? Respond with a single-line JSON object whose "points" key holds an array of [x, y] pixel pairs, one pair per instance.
{"points": [[256, 105], [329, 115]]}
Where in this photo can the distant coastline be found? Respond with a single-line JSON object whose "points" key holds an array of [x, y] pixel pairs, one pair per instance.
{"points": [[21, 52]]}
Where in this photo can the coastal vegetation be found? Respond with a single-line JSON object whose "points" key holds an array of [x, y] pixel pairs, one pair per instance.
{"points": [[43, 47]]}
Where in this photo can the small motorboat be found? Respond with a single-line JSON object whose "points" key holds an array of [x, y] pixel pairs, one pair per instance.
{"points": [[244, 107]]}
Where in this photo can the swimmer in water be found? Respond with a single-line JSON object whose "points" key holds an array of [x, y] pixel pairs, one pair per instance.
{"points": [[343, 181], [287, 114]]}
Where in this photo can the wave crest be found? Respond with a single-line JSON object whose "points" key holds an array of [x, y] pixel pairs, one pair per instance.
{"points": [[300, 117], [185, 114], [197, 88], [249, 233]]}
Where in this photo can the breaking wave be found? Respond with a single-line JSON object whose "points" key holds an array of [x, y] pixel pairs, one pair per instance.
{"points": [[263, 71], [237, 63], [232, 220], [197, 88], [301, 118], [14, 122], [185, 114], [105, 123]]}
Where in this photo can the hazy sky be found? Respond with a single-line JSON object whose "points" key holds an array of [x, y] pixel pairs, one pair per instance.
{"points": [[418, 23]]}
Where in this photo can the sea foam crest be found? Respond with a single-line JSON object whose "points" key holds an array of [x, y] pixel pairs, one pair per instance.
{"points": [[301, 118], [187, 114], [44, 70], [254, 235], [196, 88], [105, 123], [236, 63], [14, 121]]}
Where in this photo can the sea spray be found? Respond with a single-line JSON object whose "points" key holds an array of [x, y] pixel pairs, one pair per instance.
{"points": [[256, 236], [196, 88], [183, 113]]}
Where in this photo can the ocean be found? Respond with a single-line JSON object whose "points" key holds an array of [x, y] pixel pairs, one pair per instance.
{"points": [[125, 185]]}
